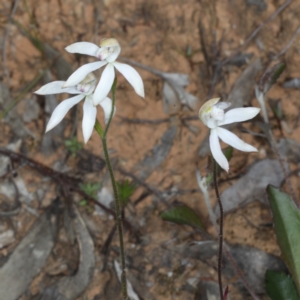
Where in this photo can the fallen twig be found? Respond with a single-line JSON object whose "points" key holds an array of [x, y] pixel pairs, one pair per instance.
{"points": [[6, 35], [289, 44], [155, 122], [258, 29], [62, 179]]}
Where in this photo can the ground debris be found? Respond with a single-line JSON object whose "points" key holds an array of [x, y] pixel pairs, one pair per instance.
{"points": [[31, 110], [292, 84], [156, 156], [12, 117], [174, 94], [252, 186], [35, 247], [290, 149], [251, 261], [6, 238], [70, 287]]}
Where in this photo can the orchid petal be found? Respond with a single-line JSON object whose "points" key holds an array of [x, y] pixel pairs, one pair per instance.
{"points": [[55, 87], [211, 123], [239, 115], [83, 48], [61, 110], [82, 72], [216, 151], [106, 104], [89, 118], [104, 85], [223, 105], [132, 76], [232, 140]]}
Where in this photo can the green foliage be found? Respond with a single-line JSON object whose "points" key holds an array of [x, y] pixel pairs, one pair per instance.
{"points": [[276, 108], [189, 51], [280, 286], [90, 189], [270, 77], [182, 215], [99, 129], [286, 218], [73, 145], [83, 202], [125, 190], [277, 71]]}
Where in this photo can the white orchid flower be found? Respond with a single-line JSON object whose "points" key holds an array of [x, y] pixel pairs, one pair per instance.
{"points": [[107, 53], [213, 116], [85, 90]]}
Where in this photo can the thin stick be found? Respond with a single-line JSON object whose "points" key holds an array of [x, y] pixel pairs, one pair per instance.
{"points": [[203, 187], [215, 166], [155, 121], [62, 179], [6, 72], [289, 44], [258, 29]]}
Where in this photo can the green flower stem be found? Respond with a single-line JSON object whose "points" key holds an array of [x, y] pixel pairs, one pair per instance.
{"points": [[102, 133], [215, 176]]}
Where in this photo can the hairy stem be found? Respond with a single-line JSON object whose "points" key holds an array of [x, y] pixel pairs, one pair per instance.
{"points": [[215, 166], [119, 220]]}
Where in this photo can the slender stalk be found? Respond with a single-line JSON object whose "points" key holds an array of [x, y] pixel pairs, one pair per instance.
{"points": [[103, 133], [215, 175], [203, 187]]}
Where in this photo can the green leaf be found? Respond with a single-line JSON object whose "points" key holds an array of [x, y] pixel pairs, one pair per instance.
{"points": [[73, 145], [276, 108], [182, 215], [83, 202], [90, 189], [280, 286], [99, 129], [286, 218], [270, 77], [125, 190]]}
